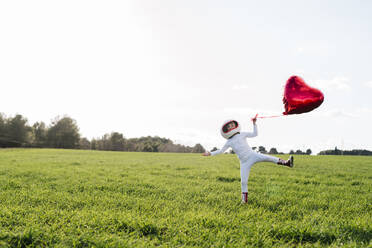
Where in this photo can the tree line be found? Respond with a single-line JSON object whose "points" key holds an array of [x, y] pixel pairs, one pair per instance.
{"points": [[63, 132], [273, 150], [360, 152]]}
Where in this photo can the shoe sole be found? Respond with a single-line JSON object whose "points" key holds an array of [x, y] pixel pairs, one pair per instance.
{"points": [[291, 164]]}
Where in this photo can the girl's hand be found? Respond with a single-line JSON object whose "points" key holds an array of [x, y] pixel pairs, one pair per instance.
{"points": [[206, 154], [254, 119]]}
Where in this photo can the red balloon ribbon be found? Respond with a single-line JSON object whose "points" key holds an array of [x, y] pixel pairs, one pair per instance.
{"points": [[272, 116]]}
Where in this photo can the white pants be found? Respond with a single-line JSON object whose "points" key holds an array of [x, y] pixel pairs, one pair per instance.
{"points": [[245, 166]]}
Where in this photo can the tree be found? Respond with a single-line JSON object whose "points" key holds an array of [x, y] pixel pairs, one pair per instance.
{"points": [[64, 133], [17, 130], [40, 132], [93, 144], [337, 151], [262, 149], [273, 151], [84, 144], [308, 151], [299, 152], [4, 139], [2, 123], [117, 141], [214, 149], [105, 143], [198, 148], [147, 147], [291, 152], [167, 147]]}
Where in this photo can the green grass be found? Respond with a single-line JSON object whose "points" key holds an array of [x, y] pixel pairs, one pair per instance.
{"points": [[72, 198]]}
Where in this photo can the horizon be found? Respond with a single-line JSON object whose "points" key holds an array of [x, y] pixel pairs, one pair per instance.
{"points": [[294, 150], [178, 70]]}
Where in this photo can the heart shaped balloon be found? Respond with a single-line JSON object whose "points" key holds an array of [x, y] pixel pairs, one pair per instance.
{"points": [[299, 97]]}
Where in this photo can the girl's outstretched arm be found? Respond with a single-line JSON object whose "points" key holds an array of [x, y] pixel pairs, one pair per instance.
{"points": [[222, 150]]}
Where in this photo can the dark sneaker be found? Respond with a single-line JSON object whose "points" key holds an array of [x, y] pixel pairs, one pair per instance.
{"points": [[290, 160]]}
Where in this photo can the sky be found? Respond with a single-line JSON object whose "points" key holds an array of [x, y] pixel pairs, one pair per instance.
{"points": [[178, 69]]}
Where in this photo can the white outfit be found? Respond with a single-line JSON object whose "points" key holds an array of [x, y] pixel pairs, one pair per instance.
{"points": [[246, 155]]}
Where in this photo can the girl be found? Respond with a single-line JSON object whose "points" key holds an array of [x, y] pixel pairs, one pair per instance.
{"points": [[230, 130]]}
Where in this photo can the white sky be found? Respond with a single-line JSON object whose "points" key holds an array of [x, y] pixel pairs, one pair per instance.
{"points": [[178, 69]]}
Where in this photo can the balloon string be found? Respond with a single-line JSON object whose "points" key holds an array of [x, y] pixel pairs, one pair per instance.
{"points": [[272, 116]]}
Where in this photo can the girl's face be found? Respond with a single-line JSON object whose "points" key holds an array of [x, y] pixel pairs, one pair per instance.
{"points": [[231, 125]]}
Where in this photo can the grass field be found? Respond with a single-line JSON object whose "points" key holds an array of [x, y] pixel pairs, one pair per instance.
{"points": [[73, 198]]}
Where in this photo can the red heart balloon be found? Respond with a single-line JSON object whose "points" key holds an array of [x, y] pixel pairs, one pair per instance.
{"points": [[299, 97]]}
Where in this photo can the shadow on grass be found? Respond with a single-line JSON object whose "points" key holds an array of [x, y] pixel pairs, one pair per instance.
{"points": [[347, 233], [228, 179], [26, 239], [143, 229], [302, 236], [357, 234]]}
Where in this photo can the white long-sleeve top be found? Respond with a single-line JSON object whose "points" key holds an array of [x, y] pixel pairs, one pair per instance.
{"points": [[239, 144]]}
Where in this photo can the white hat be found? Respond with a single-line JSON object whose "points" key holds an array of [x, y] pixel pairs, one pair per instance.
{"points": [[227, 133]]}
